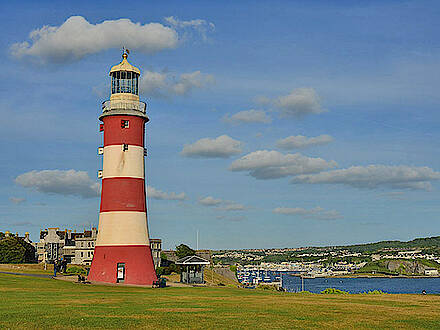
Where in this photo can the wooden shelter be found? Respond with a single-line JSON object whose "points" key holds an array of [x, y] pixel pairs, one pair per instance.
{"points": [[192, 269]]}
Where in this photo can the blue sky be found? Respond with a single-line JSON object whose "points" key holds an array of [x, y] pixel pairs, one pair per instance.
{"points": [[273, 124]]}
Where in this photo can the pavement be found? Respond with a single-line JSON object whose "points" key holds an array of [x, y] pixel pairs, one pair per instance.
{"points": [[28, 274], [74, 279]]}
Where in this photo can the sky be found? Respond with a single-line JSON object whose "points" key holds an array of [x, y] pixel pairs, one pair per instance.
{"points": [[272, 124]]}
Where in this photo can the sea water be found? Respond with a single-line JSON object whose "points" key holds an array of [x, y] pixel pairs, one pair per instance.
{"points": [[358, 285]]}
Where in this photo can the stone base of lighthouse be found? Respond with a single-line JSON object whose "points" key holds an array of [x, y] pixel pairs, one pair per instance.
{"points": [[136, 260]]}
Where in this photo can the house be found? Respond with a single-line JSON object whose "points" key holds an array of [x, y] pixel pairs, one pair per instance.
{"points": [[156, 249], [56, 244], [76, 248]]}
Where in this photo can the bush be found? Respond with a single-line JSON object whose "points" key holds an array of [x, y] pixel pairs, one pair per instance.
{"points": [[333, 291], [75, 270], [374, 292], [267, 287], [172, 268], [233, 268]]}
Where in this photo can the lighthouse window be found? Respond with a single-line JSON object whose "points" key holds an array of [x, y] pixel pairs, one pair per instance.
{"points": [[125, 82], [125, 123]]}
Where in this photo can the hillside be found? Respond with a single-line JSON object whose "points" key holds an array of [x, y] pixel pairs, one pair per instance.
{"points": [[427, 242], [399, 267]]}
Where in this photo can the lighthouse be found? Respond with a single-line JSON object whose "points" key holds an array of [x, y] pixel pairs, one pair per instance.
{"points": [[122, 251]]}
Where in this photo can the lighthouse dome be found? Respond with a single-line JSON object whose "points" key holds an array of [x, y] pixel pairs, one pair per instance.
{"points": [[124, 66]]}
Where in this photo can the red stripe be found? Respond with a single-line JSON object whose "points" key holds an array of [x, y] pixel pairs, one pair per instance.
{"points": [[123, 194], [114, 134], [139, 266]]}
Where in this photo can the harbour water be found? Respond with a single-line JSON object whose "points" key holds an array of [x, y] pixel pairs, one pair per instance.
{"points": [[353, 285], [358, 285]]}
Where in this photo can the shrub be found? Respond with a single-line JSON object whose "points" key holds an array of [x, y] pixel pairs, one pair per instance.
{"points": [[333, 291], [267, 287], [172, 268], [374, 292], [75, 270]]}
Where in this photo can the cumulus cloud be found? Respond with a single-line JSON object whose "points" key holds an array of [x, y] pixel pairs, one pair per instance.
{"points": [[76, 38], [199, 25], [154, 193], [300, 141], [17, 200], [315, 213], [299, 103], [221, 147], [271, 164], [221, 205], [232, 206], [69, 182], [189, 81], [210, 201], [163, 84], [375, 176], [248, 116]]}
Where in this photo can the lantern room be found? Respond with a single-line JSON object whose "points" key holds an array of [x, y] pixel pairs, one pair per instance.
{"points": [[125, 77]]}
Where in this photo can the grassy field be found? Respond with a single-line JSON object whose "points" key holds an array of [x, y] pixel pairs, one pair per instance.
{"points": [[45, 303], [27, 268]]}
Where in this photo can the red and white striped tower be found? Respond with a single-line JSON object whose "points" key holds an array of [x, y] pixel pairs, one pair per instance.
{"points": [[122, 250]]}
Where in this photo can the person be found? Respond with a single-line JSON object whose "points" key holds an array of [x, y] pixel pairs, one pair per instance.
{"points": [[423, 291], [64, 265], [55, 269]]}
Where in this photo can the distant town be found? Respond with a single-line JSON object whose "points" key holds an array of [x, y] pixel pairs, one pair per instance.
{"points": [[419, 257]]}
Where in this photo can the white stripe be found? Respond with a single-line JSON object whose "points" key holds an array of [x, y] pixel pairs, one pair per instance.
{"points": [[120, 163], [122, 228]]}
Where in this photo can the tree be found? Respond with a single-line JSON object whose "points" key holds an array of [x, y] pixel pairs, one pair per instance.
{"points": [[14, 250], [183, 250]]}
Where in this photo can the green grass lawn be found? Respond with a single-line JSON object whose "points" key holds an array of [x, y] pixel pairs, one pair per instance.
{"points": [[45, 303]]}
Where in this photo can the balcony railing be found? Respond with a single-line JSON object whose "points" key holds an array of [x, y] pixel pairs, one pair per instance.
{"points": [[123, 105]]}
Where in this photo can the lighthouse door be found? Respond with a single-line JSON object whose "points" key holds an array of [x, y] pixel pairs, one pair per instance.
{"points": [[120, 273]]}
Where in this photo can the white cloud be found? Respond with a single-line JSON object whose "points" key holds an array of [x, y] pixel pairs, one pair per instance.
{"points": [[300, 141], [375, 176], [154, 193], [157, 84], [271, 164], [221, 205], [210, 201], [299, 103], [17, 200], [221, 147], [76, 38], [69, 182], [200, 25], [263, 100], [232, 206], [154, 84], [248, 116], [315, 213], [189, 81]]}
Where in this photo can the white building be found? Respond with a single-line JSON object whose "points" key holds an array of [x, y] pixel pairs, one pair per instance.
{"points": [[431, 272]]}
